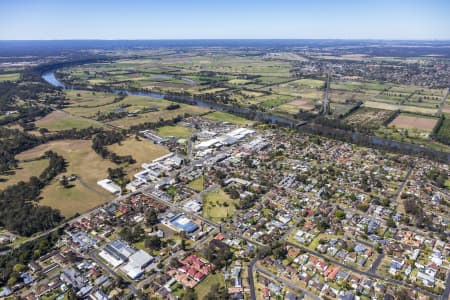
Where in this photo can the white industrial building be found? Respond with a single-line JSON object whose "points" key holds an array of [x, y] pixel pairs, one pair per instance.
{"points": [[116, 253], [226, 139], [193, 205], [137, 263], [110, 186]]}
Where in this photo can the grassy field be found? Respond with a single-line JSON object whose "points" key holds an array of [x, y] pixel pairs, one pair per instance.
{"points": [[295, 106], [218, 205], [59, 120], [239, 81], [162, 114], [413, 109], [197, 184], [88, 98], [368, 117], [23, 172], [226, 117], [9, 77], [177, 131], [142, 151], [203, 288], [133, 104], [83, 162]]}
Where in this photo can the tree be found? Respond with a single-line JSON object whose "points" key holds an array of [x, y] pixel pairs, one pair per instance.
{"points": [[189, 294], [340, 214], [153, 242], [151, 217], [64, 181], [217, 292], [391, 223]]}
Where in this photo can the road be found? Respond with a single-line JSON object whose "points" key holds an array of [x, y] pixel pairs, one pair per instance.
{"points": [[442, 103], [251, 280], [130, 286], [446, 293], [365, 273], [326, 99]]}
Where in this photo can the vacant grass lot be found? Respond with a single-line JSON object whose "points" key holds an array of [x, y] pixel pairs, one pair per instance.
{"points": [[295, 106], [9, 77], [23, 172], [218, 206], [226, 117], [83, 162], [203, 288], [176, 131], [197, 184], [142, 151], [59, 120]]}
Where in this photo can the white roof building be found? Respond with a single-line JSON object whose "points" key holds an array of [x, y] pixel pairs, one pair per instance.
{"points": [[137, 263], [109, 185]]}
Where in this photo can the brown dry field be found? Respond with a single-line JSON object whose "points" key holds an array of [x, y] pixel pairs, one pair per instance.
{"points": [[410, 122], [446, 109], [86, 164], [301, 104]]}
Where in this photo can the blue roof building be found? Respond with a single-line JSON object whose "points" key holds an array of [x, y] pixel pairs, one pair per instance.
{"points": [[182, 223]]}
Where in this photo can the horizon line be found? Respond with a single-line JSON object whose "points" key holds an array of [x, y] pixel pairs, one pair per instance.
{"points": [[229, 39]]}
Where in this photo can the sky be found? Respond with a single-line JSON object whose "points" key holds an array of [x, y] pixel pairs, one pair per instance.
{"points": [[224, 19]]}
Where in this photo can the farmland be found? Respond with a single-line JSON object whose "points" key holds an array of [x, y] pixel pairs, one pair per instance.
{"points": [[407, 121], [368, 117], [262, 82], [9, 77]]}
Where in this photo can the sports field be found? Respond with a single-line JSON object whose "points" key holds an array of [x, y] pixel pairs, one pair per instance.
{"points": [[176, 131]]}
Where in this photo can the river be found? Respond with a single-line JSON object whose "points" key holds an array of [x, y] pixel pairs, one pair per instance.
{"points": [[356, 138]]}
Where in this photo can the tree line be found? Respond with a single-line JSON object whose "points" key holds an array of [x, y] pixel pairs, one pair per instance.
{"points": [[18, 209]]}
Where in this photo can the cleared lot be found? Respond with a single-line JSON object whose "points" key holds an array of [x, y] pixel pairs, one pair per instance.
{"points": [[412, 122]]}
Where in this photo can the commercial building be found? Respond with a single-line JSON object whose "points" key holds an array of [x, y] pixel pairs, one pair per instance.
{"points": [[116, 253], [137, 263], [181, 223]]}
